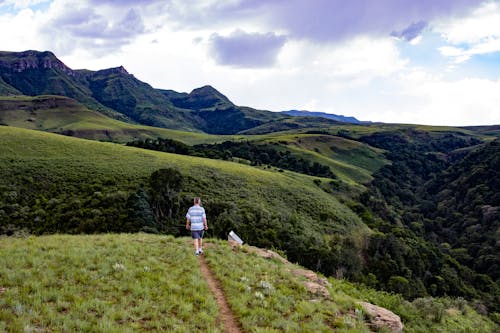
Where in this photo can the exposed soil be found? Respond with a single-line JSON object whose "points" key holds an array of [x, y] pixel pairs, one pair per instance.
{"points": [[226, 317]]}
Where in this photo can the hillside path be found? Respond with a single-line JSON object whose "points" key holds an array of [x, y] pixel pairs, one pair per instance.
{"points": [[226, 317]]}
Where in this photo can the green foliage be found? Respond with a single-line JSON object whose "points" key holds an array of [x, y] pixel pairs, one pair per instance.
{"points": [[426, 199], [422, 315], [165, 187], [257, 154]]}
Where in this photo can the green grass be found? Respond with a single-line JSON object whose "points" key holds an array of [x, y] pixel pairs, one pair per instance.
{"points": [[106, 283], [64, 115], [267, 297], [352, 161], [142, 282]]}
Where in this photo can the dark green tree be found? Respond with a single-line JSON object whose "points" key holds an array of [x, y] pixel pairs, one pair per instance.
{"points": [[165, 187]]}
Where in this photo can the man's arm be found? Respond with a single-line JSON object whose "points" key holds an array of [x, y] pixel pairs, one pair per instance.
{"points": [[205, 223], [187, 224]]}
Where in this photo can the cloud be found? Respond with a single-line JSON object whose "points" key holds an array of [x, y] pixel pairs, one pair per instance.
{"points": [[412, 32], [475, 34], [242, 49], [468, 101], [82, 26], [21, 4], [319, 20]]}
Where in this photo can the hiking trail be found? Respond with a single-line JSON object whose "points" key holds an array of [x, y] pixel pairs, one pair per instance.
{"points": [[226, 317]]}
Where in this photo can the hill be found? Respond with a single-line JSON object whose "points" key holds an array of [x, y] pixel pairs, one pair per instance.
{"points": [[52, 183], [130, 282], [62, 115]]}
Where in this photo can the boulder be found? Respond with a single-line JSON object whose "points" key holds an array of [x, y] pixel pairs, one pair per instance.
{"points": [[382, 318]]}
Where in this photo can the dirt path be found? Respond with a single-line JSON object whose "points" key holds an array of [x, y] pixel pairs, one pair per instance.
{"points": [[226, 317]]}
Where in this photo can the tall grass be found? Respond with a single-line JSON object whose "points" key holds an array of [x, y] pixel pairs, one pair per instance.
{"points": [[106, 283], [140, 282], [267, 297]]}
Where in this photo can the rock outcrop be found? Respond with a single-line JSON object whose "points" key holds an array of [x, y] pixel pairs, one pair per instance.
{"points": [[382, 318]]}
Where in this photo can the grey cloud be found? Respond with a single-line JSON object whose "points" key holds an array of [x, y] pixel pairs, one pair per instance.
{"points": [[85, 28], [323, 20], [411, 32], [241, 49]]}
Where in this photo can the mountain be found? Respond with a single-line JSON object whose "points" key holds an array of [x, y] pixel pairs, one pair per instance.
{"points": [[118, 94], [303, 113]]}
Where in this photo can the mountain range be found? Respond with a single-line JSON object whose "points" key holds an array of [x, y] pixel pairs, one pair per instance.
{"points": [[118, 94]]}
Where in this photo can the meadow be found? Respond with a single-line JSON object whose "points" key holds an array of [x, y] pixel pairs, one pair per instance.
{"points": [[143, 282], [106, 283]]}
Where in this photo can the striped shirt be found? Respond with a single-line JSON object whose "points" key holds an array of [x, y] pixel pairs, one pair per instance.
{"points": [[196, 215]]}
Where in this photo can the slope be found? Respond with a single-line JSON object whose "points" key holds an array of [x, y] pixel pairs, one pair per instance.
{"points": [[62, 115], [131, 282], [52, 183]]}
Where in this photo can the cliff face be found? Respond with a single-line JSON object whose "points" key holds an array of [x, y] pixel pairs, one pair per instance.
{"points": [[21, 61]]}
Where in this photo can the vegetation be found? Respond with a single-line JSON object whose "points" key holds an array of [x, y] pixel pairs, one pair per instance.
{"points": [[130, 282], [424, 203], [256, 154], [62, 115], [106, 283], [96, 192]]}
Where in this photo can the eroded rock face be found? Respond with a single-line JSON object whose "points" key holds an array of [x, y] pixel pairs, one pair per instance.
{"points": [[35, 60], [382, 318]]}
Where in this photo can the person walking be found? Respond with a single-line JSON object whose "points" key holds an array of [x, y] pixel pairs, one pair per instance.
{"points": [[196, 221]]}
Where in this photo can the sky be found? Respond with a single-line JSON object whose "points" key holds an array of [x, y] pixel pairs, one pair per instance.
{"points": [[432, 62]]}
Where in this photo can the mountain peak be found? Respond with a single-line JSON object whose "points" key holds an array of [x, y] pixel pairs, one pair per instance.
{"points": [[31, 59], [209, 92], [206, 97], [113, 70]]}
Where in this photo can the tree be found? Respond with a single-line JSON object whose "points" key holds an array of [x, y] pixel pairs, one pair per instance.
{"points": [[165, 186]]}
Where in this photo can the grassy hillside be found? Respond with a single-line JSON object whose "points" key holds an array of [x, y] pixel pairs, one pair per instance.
{"points": [[139, 282], [52, 183], [58, 114], [354, 162]]}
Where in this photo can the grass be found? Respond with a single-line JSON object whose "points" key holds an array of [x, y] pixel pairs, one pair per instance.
{"points": [[64, 115], [352, 161], [267, 297], [105, 283], [142, 282], [36, 158]]}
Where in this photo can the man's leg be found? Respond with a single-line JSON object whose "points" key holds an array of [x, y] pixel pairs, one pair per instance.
{"points": [[195, 242]]}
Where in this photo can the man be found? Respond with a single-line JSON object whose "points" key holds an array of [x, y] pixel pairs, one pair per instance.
{"points": [[196, 220]]}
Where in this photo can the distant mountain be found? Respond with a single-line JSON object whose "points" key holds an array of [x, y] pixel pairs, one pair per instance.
{"points": [[116, 93], [303, 113]]}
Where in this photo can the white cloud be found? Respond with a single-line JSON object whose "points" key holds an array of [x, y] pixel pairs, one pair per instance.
{"points": [[15, 36], [483, 23], [437, 101], [475, 34], [364, 76]]}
